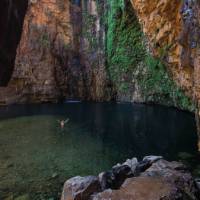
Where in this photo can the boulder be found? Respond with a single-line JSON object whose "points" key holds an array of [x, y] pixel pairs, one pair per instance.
{"points": [[115, 178], [175, 174], [106, 180], [152, 159], [151, 179], [142, 166], [158, 180], [132, 163], [80, 188], [152, 188], [166, 169], [121, 173], [140, 188]]}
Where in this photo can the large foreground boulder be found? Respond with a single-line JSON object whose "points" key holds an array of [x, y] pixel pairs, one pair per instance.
{"points": [[177, 175], [163, 180], [140, 188], [153, 178]]}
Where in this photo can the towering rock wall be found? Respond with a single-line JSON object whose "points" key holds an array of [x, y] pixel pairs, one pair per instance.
{"points": [[11, 21], [61, 53], [136, 74], [95, 50], [173, 31]]}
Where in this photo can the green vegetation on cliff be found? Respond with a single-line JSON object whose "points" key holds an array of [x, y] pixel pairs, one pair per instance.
{"points": [[130, 64], [124, 44], [158, 86]]}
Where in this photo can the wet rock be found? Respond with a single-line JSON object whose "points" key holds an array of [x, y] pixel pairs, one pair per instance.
{"points": [[146, 163], [80, 188], [152, 159], [121, 173], [132, 163], [106, 179], [115, 177], [142, 166]]}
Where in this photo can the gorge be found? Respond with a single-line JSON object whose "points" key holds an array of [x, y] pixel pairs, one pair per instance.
{"points": [[94, 50], [136, 51], [37, 156]]}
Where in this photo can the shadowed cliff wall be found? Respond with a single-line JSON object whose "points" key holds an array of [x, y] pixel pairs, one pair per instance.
{"points": [[11, 21]]}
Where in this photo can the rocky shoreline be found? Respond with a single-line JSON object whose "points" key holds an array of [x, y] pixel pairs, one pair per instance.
{"points": [[153, 178]]}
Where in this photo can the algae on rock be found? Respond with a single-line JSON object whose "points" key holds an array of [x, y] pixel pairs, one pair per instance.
{"points": [[136, 74]]}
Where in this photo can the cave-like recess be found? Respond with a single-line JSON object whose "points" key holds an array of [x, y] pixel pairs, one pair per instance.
{"points": [[11, 22]]}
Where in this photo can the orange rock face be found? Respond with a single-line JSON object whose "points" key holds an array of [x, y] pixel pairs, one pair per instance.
{"points": [[55, 59], [170, 35], [46, 32], [173, 31], [52, 59]]}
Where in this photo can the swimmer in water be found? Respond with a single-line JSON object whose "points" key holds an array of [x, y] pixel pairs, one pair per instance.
{"points": [[63, 122]]}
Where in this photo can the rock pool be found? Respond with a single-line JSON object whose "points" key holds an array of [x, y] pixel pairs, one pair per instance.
{"points": [[37, 156]]}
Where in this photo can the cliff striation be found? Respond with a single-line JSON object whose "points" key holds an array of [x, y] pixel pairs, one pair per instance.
{"points": [[173, 30], [106, 50], [61, 53], [136, 74]]}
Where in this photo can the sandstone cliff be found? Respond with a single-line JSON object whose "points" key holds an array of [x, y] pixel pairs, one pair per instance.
{"points": [[173, 31], [11, 21], [96, 50], [55, 58]]}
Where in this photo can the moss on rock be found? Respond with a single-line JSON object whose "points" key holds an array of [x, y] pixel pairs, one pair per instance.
{"points": [[130, 64]]}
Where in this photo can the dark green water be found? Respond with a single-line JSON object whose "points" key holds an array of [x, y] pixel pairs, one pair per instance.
{"points": [[37, 156]]}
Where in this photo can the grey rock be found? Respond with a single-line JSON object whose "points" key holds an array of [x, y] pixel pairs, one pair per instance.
{"points": [[117, 165], [152, 159], [176, 174], [106, 179], [121, 173], [132, 163], [80, 188], [142, 166], [114, 178], [152, 178]]}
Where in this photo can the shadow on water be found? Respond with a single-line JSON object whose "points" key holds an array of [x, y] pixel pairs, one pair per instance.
{"points": [[37, 156]]}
